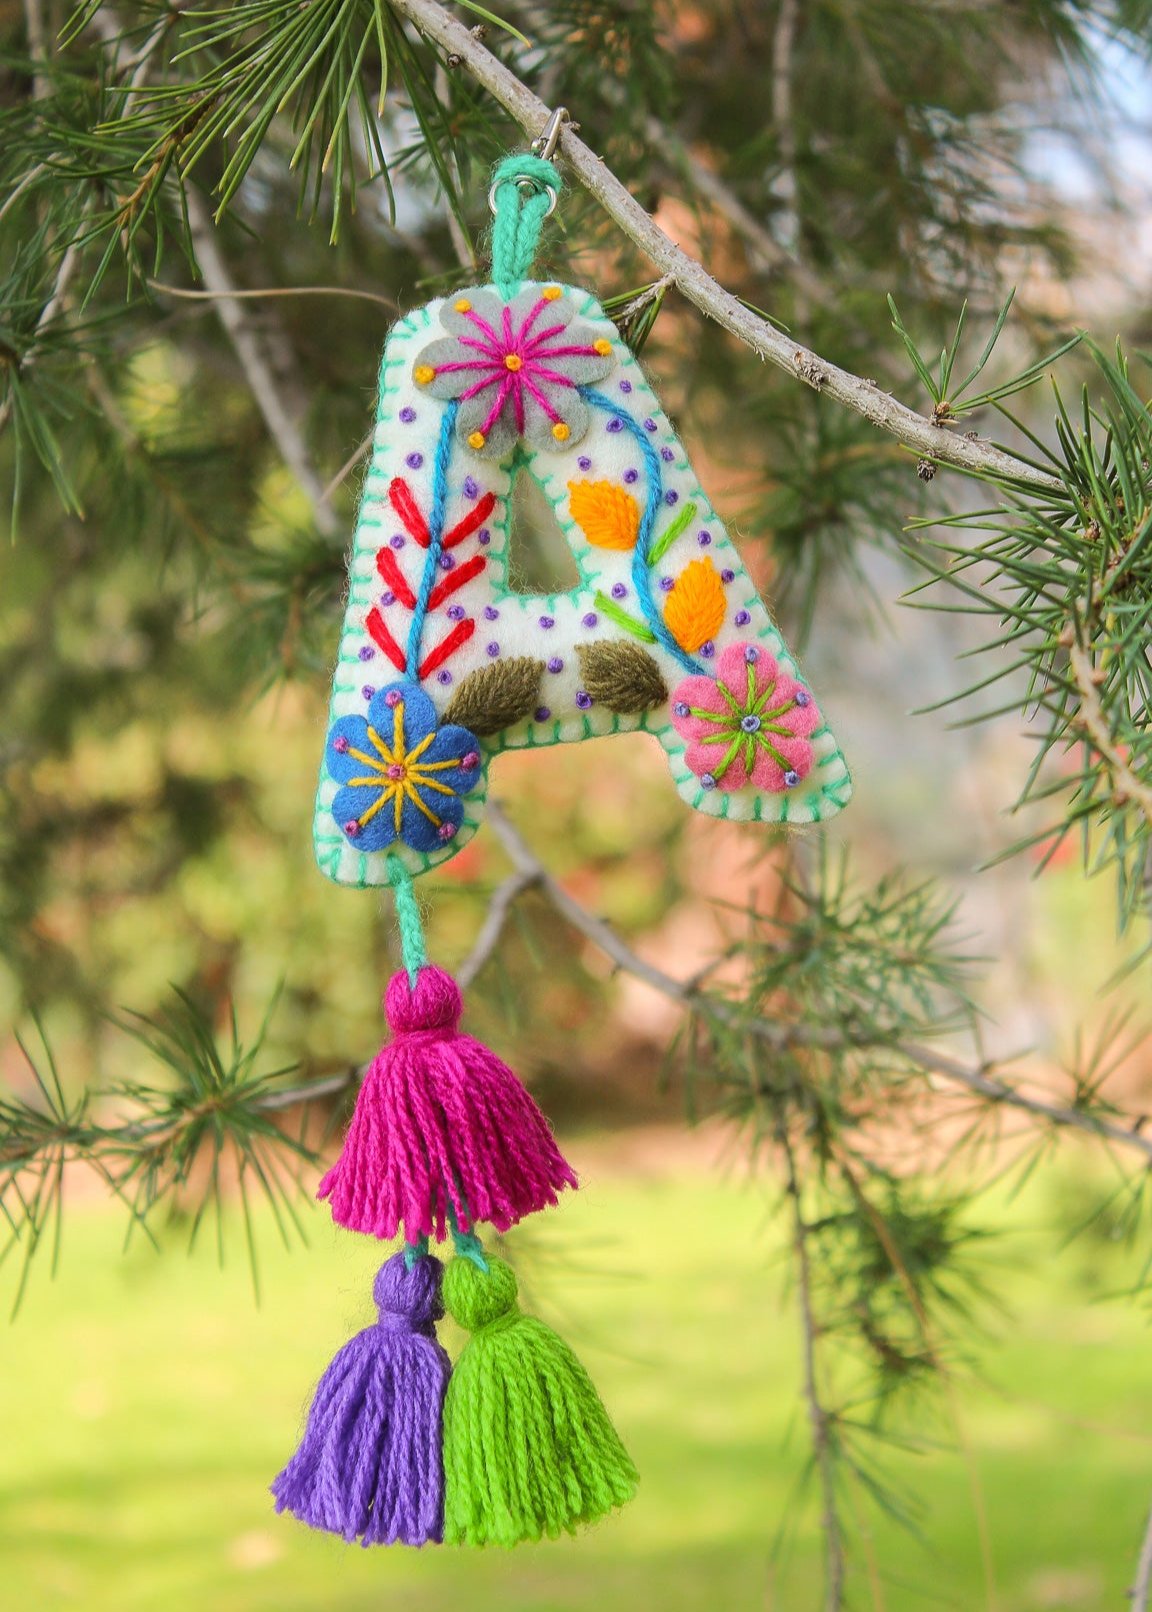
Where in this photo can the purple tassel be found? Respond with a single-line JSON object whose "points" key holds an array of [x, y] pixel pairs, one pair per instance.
{"points": [[369, 1465]]}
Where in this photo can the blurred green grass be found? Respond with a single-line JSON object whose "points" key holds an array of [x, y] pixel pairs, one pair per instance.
{"points": [[146, 1402]]}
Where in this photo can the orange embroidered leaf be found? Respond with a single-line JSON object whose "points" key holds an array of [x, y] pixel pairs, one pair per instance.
{"points": [[695, 609], [607, 515]]}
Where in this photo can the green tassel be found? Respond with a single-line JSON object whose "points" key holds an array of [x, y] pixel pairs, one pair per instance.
{"points": [[528, 1447]]}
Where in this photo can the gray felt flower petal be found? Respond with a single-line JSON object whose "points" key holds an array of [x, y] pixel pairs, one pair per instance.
{"points": [[446, 369], [539, 426], [501, 435], [468, 312]]}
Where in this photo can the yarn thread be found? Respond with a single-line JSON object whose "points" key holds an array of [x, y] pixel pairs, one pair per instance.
{"points": [[520, 186], [529, 1449], [412, 947], [431, 570]]}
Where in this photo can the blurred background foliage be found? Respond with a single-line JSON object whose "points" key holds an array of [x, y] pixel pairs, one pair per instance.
{"points": [[898, 1027]]}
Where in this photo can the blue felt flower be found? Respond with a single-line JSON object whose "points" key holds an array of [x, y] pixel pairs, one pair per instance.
{"points": [[402, 777]]}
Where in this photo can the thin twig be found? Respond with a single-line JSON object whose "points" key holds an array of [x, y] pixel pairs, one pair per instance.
{"points": [[784, 1036], [819, 1417], [1090, 718], [783, 41], [281, 419], [1141, 1591], [504, 898], [914, 430], [275, 291]]}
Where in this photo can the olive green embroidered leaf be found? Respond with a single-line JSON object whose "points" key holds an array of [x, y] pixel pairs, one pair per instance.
{"points": [[496, 696], [622, 677]]}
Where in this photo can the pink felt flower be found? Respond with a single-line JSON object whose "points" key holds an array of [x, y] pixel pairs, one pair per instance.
{"points": [[749, 726]]}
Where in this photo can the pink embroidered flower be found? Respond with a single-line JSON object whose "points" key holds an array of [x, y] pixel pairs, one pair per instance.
{"points": [[751, 725], [515, 368]]}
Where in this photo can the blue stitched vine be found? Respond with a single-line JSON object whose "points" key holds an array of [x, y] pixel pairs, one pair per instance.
{"points": [[641, 564], [435, 537]]}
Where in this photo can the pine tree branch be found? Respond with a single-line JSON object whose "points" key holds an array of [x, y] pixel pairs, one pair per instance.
{"points": [[978, 1078], [692, 280]]}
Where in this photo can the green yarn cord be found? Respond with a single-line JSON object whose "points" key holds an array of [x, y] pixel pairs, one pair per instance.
{"points": [[528, 1446], [412, 947], [520, 213]]}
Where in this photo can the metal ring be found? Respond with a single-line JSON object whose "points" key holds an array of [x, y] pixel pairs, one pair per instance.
{"points": [[525, 182]]}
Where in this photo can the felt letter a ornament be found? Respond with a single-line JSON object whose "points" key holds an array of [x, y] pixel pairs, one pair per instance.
{"points": [[441, 667]]}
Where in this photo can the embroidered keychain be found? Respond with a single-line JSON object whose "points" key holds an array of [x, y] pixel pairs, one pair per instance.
{"points": [[441, 666]]}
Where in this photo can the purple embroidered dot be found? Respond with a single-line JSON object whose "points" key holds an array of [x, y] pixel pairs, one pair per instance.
{"points": [[590, 619], [396, 541], [470, 487], [444, 676], [367, 691], [407, 414], [392, 698], [387, 597], [615, 424], [547, 621], [366, 652], [414, 460], [485, 537], [681, 709], [493, 649], [340, 744], [750, 723], [446, 562], [583, 699], [727, 575], [671, 496], [703, 538], [802, 697], [741, 618], [631, 476], [708, 649], [667, 583], [456, 612], [707, 780], [542, 713], [446, 831], [751, 654], [555, 664], [472, 759], [649, 425], [619, 591], [395, 772], [352, 828], [584, 462], [625, 386], [667, 455], [791, 779], [490, 613]]}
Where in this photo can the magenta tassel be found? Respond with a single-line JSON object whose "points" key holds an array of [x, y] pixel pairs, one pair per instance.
{"points": [[443, 1129]]}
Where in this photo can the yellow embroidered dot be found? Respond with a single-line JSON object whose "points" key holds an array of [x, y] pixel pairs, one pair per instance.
{"points": [[423, 373]]}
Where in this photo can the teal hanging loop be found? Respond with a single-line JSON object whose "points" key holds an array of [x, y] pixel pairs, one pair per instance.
{"points": [[412, 947], [525, 189]]}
